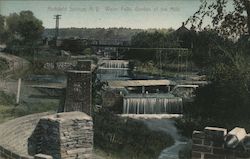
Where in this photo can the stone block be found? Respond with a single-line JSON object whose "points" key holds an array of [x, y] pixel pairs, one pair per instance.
{"points": [[246, 142], [242, 154], [198, 135], [196, 155], [84, 65], [214, 133], [43, 156], [197, 141], [213, 156], [79, 91], [218, 144], [201, 148], [69, 139], [222, 151], [234, 137], [207, 142]]}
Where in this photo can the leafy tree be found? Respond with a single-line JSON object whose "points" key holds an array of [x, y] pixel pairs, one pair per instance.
{"points": [[227, 97], [205, 48], [227, 22], [25, 26], [154, 39], [75, 46], [2, 28], [1, 23]]}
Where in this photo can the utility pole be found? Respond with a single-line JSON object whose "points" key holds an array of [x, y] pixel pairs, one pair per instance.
{"points": [[57, 17]]}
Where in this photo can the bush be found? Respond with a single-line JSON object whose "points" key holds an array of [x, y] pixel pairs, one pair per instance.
{"points": [[4, 65], [6, 99], [128, 138]]}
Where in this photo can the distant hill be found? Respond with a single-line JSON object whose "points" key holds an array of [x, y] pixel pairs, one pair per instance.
{"points": [[124, 34]]}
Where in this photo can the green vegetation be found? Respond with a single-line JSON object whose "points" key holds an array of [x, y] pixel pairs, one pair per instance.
{"points": [[21, 32], [9, 110], [126, 138], [94, 33], [227, 19], [4, 65], [151, 69], [224, 102]]}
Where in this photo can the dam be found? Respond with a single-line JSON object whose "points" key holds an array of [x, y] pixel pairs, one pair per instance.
{"points": [[152, 104], [113, 70]]}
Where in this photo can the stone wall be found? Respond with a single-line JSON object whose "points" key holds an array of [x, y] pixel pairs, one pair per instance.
{"points": [[14, 135], [79, 91], [217, 143], [84, 65], [63, 135]]}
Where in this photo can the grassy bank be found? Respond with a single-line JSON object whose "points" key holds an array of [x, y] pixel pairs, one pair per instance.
{"points": [[125, 138], [150, 69], [3, 65], [9, 110]]}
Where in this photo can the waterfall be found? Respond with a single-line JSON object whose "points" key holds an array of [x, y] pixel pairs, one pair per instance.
{"points": [[113, 70], [115, 64], [152, 105]]}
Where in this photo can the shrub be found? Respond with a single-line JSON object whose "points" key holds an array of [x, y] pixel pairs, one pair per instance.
{"points": [[128, 138]]}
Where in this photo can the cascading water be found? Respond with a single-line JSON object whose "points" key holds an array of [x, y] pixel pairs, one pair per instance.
{"points": [[115, 64], [152, 104], [113, 70]]}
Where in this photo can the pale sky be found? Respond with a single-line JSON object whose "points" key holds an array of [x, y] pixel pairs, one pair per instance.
{"points": [[106, 13]]}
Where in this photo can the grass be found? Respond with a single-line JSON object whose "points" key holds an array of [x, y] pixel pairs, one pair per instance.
{"points": [[3, 65], [125, 138], [9, 110], [151, 69]]}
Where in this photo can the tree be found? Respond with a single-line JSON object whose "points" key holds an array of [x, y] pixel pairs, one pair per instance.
{"points": [[228, 23], [227, 97], [205, 48], [2, 28], [1, 23], [24, 27], [155, 39]]}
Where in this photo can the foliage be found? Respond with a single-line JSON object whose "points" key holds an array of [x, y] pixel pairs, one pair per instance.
{"points": [[148, 40], [24, 26], [94, 33], [88, 51], [6, 99], [2, 29], [4, 65], [128, 138], [227, 22], [75, 46], [205, 50], [21, 31], [226, 99]]}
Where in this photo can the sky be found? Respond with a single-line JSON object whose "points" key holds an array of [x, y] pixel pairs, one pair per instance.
{"points": [[141, 14]]}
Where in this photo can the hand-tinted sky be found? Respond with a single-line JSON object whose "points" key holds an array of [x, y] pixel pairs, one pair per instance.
{"points": [[106, 13]]}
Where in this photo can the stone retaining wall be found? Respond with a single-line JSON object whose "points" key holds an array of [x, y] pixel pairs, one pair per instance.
{"points": [[63, 135], [14, 135], [217, 143]]}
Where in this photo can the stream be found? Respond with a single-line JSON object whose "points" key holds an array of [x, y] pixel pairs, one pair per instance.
{"points": [[168, 126]]}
